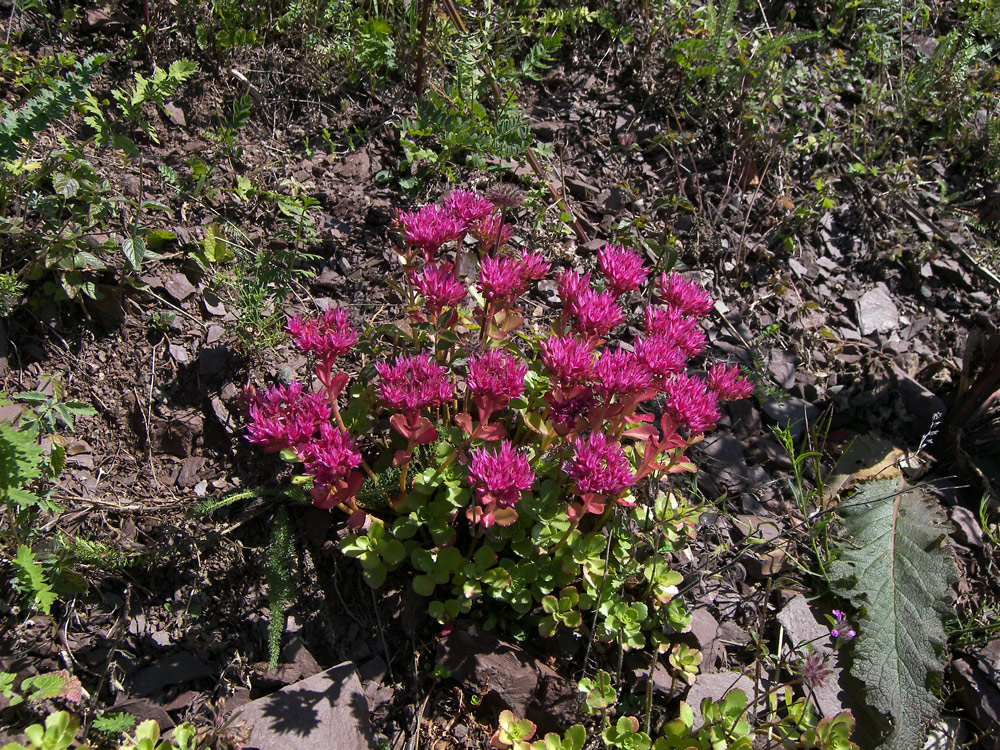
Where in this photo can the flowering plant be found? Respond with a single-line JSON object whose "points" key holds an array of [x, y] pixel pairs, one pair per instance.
{"points": [[509, 459]]}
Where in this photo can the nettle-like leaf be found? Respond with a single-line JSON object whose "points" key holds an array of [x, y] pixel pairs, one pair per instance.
{"points": [[896, 568]]}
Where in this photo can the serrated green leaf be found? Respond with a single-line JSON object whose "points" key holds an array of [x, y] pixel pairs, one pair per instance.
{"points": [[65, 185], [895, 568], [134, 249], [32, 578]]}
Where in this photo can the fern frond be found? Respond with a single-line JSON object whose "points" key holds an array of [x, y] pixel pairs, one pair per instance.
{"points": [[279, 583], [34, 115], [31, 579]]}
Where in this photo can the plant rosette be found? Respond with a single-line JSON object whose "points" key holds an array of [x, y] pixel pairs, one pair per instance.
{"points": [[524, 461]]}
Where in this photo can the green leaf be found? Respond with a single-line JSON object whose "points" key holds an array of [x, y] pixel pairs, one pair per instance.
{"points": [[134, 249], [31, 577], [65, 185], [895, 566]]}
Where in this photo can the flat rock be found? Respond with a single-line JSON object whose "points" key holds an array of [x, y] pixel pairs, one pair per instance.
{"points": [[716, 685], [803, 633], [877, 312], [791, 413], [175, 669], [327, 710], [178, 286]]}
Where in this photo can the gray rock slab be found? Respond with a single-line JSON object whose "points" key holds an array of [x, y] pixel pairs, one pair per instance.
{"points": [[327, 710], [877, 312], [804, 634], [792, 413], [716, 685]]}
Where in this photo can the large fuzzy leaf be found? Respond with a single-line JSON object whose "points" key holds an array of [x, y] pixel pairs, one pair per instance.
{"points": [[898, 570]]}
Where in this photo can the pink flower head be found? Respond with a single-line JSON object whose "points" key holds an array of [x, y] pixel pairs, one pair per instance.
{"points": [[691, 402], [675, 290], [492, 232], [495, 377], [329, 336], [660, 355], [428, 228], [500, 279], [565, 412], [596, 313], [414, 383], [467, 207], [438, 287], [570, 360], [283, 416], [729, 383], [619, 373], [571, 285], [331, 457], [599, 466], [622, 268], [499, 477], [677, 327], [533, 266]]}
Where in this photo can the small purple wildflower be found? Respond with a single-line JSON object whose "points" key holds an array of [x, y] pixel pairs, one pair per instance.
{"points": [[690, 402], [570, 360], [467, 206], [729, 383]]}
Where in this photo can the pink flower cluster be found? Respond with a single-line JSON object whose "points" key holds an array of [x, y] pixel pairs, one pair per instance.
{"points": [[495, 377], [438, 287], [622, 268], [285, 416], [501, 476], [330, 457], [690, 298], [599, 466], [428, 228], [502, 280], [414, 383], [329, 336]]}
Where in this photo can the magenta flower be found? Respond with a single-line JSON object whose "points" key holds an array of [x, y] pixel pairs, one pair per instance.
{"points": [[414, 383], [570, 360], [491, 232], [622, 268], [495, 377], [841, 630], [500, 280], [331, 457], [690, 402], [500, 477], [533, 266], [467, 207], [427, 228], [438, 287], [619, 373], [729, 383], [677, 327], [675, 290], [565, 411], [596, 313], [284, 417], [660, 355], [599, 466], [571, 286], [329, 336]]}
